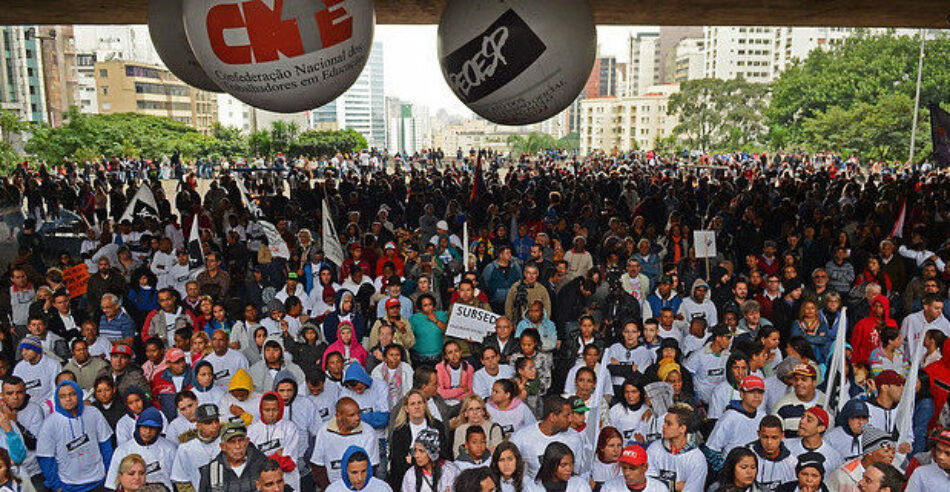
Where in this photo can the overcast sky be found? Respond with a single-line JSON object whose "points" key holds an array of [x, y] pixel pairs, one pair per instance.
{"points": [[412, 68]]}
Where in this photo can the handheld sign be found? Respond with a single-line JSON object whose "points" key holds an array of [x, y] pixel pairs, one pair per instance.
{"points": [[470, 323], [705, 244], [76, 280]]}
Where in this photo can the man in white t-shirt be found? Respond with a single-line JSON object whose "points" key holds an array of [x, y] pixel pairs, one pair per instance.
{"points": [[344, 430], [935, 476], [532, 440], [198, 447], [224, 360], [36, 371], [490, 372]]}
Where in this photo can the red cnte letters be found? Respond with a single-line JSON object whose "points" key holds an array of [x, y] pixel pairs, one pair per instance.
{"points": [[221, 17], [330, 33], [269, 34]]}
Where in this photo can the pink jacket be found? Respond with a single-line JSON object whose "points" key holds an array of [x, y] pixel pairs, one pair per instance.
{"points": [[445, 381]]}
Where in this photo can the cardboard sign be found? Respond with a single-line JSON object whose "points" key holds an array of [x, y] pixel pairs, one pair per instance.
{"points": [[76, 279], [470, 323], [705, 244]]}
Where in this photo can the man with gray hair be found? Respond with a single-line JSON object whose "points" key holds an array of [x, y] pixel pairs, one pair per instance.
{"points": [[115, 325]]}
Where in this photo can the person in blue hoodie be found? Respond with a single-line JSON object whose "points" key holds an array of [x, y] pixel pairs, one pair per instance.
{"points": [[345, 310], [358, 474], [74, 446], [372, 395]]}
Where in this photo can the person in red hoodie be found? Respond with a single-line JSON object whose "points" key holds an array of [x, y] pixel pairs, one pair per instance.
{"points": [[867, 333], [939, 373]]}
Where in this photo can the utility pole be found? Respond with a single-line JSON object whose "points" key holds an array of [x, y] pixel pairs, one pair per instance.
{"points": [[920, 72]]}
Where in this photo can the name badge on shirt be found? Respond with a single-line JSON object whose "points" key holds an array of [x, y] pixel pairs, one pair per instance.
{"points": [[335, 464], [77, 442], [507, 429], [668, 477], [152, 467], [716, 372], [32, 384], [324, 413], [235, 420], [269, 445], [628, 434], [222, 374]]}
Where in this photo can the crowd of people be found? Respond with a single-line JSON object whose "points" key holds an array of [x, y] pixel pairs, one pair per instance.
{"points": [[804, 349]]}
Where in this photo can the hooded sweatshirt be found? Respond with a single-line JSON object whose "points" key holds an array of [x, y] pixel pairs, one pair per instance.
{"points": [[331, 443], [694, 308], [73, 449], [125, 427], [373, 402], [251, 406], [352, 352], [865, 337], [845, 442], [736, 428], [939, 373], [158, 453], [279, 441], [301, 411], [263, 375], [726, 391], [776, 470], [332, 322], [372, 484], [207, 394]]}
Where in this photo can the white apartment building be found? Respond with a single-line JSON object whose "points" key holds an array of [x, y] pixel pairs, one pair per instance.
{"points": [[234, 113], [627, 123], [734, 52], [688, 58]]}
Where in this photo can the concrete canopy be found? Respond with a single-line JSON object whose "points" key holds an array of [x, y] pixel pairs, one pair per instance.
{"points": [[844, 13]]}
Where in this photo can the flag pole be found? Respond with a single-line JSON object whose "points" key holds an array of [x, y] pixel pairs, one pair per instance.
{"points": [[920, 72]]}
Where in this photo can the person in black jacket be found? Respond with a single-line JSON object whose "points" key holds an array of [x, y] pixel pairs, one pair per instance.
{"points": [[236, 450], [414, 411], [571, 348]]}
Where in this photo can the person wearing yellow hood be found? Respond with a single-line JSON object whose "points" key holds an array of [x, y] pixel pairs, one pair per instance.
{"points": [[242, 403]]}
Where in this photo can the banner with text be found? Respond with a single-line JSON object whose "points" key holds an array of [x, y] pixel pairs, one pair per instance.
{"points": [[470, 323]]}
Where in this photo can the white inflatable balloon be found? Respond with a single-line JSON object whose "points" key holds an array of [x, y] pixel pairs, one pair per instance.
{"points": [[281, 55], [517, 62], [166, 27]]}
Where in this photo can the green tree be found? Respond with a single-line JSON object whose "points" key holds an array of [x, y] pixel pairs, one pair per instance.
{"points": [[867, 78], [10, 126], [716, 113], [535, 142], [227, 141], [259, 142], [328, 143]]}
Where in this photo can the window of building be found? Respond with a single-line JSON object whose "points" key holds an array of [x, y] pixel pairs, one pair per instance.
{"points": [[103, 72], [105, 90]]}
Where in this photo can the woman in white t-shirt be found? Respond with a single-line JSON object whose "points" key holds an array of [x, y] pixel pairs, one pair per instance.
{"points": [[627, 414], [605, 467], [429, 473], [557, 471], [506, 409]]}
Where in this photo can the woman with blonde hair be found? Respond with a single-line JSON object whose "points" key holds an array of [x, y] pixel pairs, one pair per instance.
{"points": [[132, 476], [200, 346], [473, 412], [412, 418]]}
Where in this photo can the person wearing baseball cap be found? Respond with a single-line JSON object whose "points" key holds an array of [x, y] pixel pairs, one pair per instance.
{"points": [[741, 418], [936, 475], [811, 429], [198, 446], [708, 364], [633, 467], [883, 407], [390, 255], [238, 464], [124, 373], [804, 379], [176, 377], [442, 229]]}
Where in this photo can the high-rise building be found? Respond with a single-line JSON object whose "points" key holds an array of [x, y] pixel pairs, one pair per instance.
{"points": [[21, 80], [86, 70], [603, 79], [60, 75], [687, 60], [627, 123], [409, 129], [363, 106], [740, 52], [149, 89], [117, 42], [234, 113], [670, 36], [643, 67]]}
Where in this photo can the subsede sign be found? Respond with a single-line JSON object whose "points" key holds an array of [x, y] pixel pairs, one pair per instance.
{"points": [[470, 323], [281, 55]]}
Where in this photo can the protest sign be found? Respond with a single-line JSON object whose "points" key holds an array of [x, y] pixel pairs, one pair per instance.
{"points": [[76, 279], [470, 323]]}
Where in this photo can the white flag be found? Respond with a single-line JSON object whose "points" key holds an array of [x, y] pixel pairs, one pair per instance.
{"points": [[143, 205], [246, 199], [196, 256], [331, 242], [278, 247], [905, 409], [837, 376]]}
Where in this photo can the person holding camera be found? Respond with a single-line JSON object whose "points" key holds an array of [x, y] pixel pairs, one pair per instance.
{"points": [[524, 292]]}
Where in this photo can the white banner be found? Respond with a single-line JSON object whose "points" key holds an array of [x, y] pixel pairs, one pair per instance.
{"points": [[278, 247], [331, 242], [470, 323], [836, 376], [705, 244], [142, 205]]}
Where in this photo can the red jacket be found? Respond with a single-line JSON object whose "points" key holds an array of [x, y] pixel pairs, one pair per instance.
{"points": [[446, 390], [939, 373], [865, 337]]}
